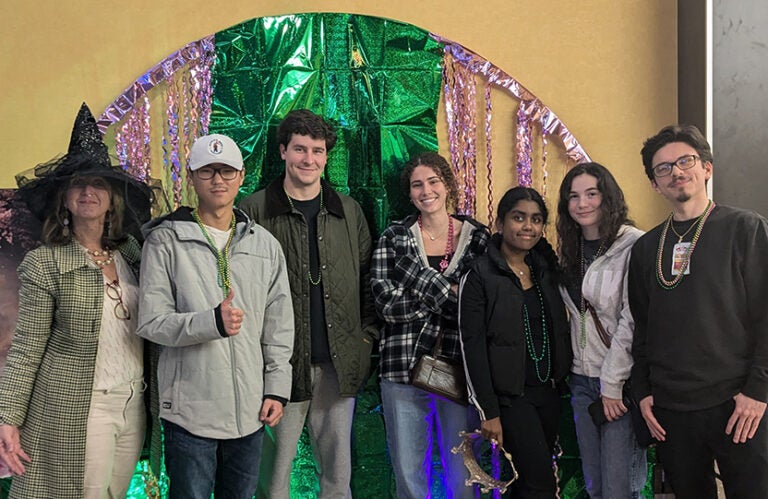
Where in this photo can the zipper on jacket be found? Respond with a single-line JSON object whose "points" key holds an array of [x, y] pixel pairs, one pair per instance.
{"points": [[235, 387]]}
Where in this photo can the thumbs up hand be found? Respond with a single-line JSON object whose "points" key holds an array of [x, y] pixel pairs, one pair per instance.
{"points": [[232, 317]]}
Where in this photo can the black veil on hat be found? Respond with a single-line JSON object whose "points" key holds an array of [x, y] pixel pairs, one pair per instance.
{"points": [[87, 156]]}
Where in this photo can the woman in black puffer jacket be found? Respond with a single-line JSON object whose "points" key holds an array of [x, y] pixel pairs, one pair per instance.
{"points": [[515, 340]]}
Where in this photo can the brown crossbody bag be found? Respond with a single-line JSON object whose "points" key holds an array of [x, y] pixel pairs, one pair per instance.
{"points": [[440, 375]]}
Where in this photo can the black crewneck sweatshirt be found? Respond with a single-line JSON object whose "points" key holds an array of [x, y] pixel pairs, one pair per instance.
{"points": [[702, 342]]}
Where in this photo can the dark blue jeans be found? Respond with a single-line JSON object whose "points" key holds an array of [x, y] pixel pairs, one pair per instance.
{"points": [[198, 466]]}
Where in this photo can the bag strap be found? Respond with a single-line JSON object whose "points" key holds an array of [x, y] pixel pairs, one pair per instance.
{"points": [[438, 341], [598, 325]]}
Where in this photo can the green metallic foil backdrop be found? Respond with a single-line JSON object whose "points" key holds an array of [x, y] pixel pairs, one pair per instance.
{"points": [[377, 80]]}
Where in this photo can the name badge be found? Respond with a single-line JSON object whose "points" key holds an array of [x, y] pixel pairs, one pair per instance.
{"points": [[678, 259]]}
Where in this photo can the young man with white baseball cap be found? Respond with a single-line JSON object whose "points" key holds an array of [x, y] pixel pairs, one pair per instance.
{"points": [[215, 295]]}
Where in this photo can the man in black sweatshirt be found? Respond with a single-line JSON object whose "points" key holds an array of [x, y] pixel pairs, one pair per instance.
{"points": [[698, 291]]}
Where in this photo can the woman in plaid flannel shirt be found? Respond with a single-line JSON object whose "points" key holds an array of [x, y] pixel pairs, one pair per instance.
{"points": [[415, 273]]}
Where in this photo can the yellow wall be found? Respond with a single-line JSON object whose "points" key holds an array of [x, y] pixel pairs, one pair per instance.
{"points": [[606, 67]]}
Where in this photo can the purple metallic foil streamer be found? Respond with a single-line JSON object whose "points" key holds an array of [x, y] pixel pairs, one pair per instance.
{"points": [[128, 99], [489, 150], [460, 93], [544, 172], [171, 143], [451, 114], [132, 141], [470, 143], [187, 116], [523, 147], [187, 96], [533, 107], [145, 164]]}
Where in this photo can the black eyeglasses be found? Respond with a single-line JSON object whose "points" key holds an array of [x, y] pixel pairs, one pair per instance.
{"points": [[115, 293], [226, 172], [683, 162]]}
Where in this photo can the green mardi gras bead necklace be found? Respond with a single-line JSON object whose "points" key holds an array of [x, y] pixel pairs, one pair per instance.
{"points": [[583, 304], [222, 257], [313, 281], [545, 351]]}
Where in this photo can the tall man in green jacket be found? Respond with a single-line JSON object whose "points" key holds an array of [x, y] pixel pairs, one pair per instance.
{"points": [[327, 246]]}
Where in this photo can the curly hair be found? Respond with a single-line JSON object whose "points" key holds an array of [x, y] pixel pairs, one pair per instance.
{"points": [[54, 227], [305, 122], [613, 214], [440, 166], [688, 134]]}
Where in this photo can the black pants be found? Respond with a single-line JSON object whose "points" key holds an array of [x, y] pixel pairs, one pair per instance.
{"points": [[695, 439], [529, 426]]}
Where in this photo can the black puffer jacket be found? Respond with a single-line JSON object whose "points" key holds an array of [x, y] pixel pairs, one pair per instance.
{"points": [[491, 327]]}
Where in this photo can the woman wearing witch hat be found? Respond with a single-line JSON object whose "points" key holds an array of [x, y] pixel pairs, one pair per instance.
{"points": [[72, 412]]}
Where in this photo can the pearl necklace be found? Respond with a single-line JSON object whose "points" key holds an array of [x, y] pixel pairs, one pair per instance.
{"points": [[312, 281], [699, 224], [94, 254]]}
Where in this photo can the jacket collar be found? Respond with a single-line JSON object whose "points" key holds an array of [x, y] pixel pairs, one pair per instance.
{"points": [[186, 227], [184, 214], [411, 220], [70, 256], [498, 260], [621, 242], [278, 204]]}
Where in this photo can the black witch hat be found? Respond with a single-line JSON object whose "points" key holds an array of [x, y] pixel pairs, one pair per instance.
{"points": [[87, 156]]}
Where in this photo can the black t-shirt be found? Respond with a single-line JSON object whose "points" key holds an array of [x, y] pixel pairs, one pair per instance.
{"points": [[321, 350], [434, 260]]}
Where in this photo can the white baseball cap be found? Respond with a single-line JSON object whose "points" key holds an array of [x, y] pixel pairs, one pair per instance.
{"points": [[215, 148]]}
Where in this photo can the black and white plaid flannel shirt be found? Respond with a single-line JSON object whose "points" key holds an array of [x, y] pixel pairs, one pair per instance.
{"points": [[414, 299]]}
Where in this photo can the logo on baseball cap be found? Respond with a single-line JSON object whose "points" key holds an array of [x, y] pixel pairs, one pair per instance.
{"points": [[215, 148]]}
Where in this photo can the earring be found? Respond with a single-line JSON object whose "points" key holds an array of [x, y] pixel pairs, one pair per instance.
{"points": [[107, 224], [65, 223]]}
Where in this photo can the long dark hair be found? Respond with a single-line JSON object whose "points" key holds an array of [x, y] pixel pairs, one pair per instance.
{"points": [[508, 203], [56, 232], [613, 214]]}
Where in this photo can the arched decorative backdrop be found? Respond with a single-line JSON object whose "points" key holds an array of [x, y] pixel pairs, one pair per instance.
{"points": [[381, 82]]}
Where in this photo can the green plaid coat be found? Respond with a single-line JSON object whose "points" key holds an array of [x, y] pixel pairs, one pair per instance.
{"points": [[47, 383]]}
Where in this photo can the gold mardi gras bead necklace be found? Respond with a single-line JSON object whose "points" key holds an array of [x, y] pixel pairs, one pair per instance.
{"points": [[664, 283]]}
